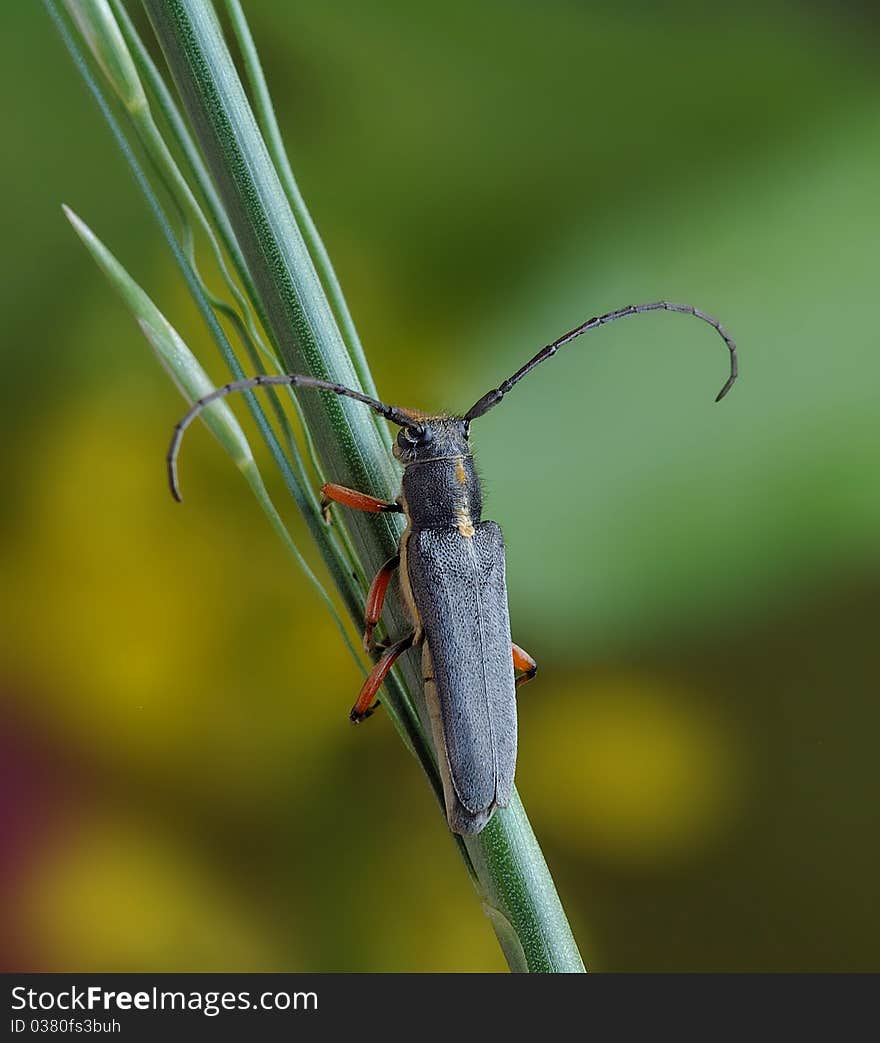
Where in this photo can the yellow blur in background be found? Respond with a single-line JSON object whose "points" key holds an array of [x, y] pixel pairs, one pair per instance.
{"points": [[699, 583]]}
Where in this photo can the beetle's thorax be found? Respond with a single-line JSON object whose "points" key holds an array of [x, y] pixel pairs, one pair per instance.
{"points": [[440, 485], [442, 493]]}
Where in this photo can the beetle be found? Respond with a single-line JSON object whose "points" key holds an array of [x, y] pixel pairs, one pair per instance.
{"points": [[452, 572]]}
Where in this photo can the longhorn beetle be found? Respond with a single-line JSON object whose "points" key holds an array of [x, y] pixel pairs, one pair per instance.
{"points": [[452, 573]]}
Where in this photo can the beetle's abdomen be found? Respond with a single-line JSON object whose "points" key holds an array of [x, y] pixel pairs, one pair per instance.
{"points": [[459, 591]]}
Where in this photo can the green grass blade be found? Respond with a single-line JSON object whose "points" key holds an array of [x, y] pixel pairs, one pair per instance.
{"points": [[99, 29], [320, 257]]}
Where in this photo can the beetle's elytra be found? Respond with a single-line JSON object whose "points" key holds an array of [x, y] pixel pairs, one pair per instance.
{"points": [[452, 571]]}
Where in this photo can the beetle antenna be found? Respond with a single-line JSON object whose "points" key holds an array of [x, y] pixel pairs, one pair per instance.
{"points": [[492, 398], [392, 413]]}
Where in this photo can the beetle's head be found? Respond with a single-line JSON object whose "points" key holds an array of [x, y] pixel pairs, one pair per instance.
{"points": [[432, 438]]}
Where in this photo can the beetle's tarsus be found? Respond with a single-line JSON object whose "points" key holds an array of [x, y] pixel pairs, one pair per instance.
{"points": [[523, 663], [364, 704], [357, 718], [381, 644]]}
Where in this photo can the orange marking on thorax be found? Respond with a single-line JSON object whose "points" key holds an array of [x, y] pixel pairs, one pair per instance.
{"points": [[460, 472]]}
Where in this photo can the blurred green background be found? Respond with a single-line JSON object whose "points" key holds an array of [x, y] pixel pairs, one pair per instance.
{"points": [[699, 583]]}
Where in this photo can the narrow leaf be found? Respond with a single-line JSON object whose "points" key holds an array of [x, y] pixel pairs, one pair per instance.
{"points": [[168, 345], [99, 28]]}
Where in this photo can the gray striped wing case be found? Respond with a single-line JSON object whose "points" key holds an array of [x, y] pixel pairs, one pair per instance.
{"points": [[459, 590]]}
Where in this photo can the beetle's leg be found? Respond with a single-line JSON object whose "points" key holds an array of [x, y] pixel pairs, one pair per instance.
{"points": [[364, 705], [376, 598], [352, 498], [523, 661]]}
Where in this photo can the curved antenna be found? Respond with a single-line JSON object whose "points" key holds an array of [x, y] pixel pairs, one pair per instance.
{"points": [[492, 398], [392, 413]]}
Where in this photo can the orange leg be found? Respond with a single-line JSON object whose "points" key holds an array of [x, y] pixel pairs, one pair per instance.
{"points": [[352, 498], [523, 661], [364, 705], [376, 599]]}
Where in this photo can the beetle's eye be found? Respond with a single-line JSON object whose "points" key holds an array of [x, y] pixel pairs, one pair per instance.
{"points": [[412, 434]]}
